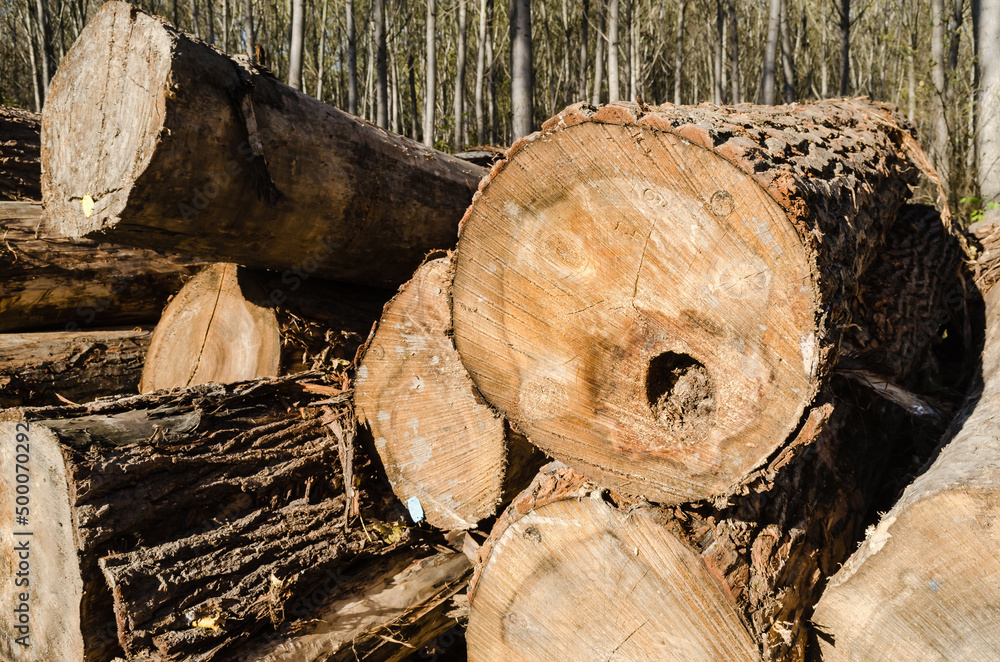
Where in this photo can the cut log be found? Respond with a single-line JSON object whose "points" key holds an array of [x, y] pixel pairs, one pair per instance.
{"points": [[230, 324], [655, 295], [444, 449], [20, 170], [214, 331], [210, 509], [382, 612], [925, 584], [195, 152], [70, 284], [42, 368], [765, 550]]}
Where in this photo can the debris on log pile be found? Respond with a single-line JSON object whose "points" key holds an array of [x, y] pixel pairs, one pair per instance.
{"points": [[19, 149]]}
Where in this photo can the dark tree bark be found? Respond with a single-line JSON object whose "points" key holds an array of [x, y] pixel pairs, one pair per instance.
{"points": [[845, 47], [381, 71], [352, 59], [20, 172]]}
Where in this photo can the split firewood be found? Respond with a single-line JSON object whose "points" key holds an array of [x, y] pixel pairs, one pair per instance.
{"points": [[725, 578], [661, 311], [446, 452], [47, 368], [199, 153], [925, 584], [231, 324], [71, 284], [209, 511], [20, 173]]}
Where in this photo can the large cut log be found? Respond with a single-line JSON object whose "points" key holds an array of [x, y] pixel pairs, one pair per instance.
{"points": [[195, 152], [78, 366], [444, 449], [231, 324], [69, 284], [925, 584], [210, 510], [727, 578], [655, 295], [20, 172]]}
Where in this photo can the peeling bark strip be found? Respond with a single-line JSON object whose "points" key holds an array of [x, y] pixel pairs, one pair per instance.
{"points": [[439, 442], [70, 284], [926, 582], [660, 311], [20, 171], [210, 510], [38, 368], [174, 161]]}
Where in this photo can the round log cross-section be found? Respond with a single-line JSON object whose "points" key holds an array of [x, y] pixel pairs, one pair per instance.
{"points": [[654, 295]]}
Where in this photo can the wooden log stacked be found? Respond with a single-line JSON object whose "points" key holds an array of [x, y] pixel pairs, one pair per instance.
{"points": [[718, 321]]}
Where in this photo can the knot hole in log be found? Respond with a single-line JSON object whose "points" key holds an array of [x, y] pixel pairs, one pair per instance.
{"points": [[680, 394]]}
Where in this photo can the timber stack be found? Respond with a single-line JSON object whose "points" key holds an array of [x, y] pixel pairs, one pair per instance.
{"points": [[664, 383]]}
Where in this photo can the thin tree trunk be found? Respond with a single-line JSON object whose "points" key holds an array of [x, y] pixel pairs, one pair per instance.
{"points": [[194, 19], [295, 48], [352, 60], [845, 47], [395, 98], [491, 81], [35, 86], [787, 61], [321, 52], [43, 49], [986, 21], [249, 35], [211, 22], [769, 82], [480, 73], [381, 72], [679, 54], [720, 40], [459, 102], [414, 114], [614, 91], [584, 25], [521, 83], [635, 69], [599, 56], [430, 85], [734, 55], [225, 26], [939, 101]]}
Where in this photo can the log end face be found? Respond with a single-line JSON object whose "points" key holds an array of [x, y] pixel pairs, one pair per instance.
{"points": [[443, 448], [651, 321], [928, 585], [40, 571], [103, 118], [624, 582]]}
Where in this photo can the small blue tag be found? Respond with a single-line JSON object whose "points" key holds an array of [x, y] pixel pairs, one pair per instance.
{"points": [[416, 510]]}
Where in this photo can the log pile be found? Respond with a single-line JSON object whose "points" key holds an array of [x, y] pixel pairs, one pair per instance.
{"points": [[732, 331]]}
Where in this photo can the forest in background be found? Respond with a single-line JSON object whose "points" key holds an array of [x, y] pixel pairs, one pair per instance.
{"points": [[371, 57]]}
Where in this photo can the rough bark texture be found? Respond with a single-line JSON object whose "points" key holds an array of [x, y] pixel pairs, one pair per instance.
{"points": [[769, 547], [199, 153], [661, 314], [214, 331], [382, 611], [440, 443], [186, 486], [925, 584], [57, 283], [20, 171], [79, 366]]}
